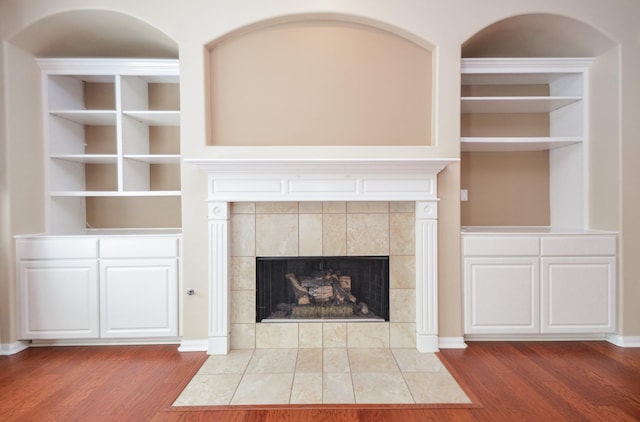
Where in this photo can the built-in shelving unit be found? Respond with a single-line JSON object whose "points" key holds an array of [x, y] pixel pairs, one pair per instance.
{"points": [[111, 129], [557, 279]]}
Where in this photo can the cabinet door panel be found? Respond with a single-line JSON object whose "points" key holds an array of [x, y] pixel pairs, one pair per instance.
{"points": [[578, 294], [58, 299], [138, 298], [501, 295]]}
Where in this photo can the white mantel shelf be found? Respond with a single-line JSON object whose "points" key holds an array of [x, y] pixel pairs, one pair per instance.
{"points": [[323, 179], [254, 180]]}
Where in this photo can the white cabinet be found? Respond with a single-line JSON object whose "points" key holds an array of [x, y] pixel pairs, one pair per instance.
{"points": [[526, 284], [502, 295], [111, 130], [58, 299], [86, 287]]}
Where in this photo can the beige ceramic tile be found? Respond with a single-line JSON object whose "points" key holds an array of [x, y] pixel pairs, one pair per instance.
{"points": [[337, 388], [402, 272], [276, 235], [334, 207], [310, 334], [273, 361], [402, 206], [307, 388], [402, 305], [242, 273], [435, 387], [276, 335], [402, 334], [367, 207], [208, 390], [334, 334], [402, 234], [335, 360], [372, 360], [264, 388], [385, 388], [243, 336], [367, 234], [309, 360], [334, 234], [368, 334], [242, 306], [276, 208], [310, 235], [235, 362], [243, 235], [308, 207], [243, 208], [410, 360]]}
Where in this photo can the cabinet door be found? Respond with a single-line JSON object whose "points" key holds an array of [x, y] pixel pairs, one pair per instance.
{"points": [[501, 295], [138, 298], [58, 299], [578, 294]]}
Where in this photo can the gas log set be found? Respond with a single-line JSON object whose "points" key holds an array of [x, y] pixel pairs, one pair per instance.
{"points": [[323, 294]]}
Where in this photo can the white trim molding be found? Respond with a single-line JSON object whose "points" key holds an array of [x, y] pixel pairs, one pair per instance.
{"points": [[452, 343], [256, 180], [624, 341], [13, 348], [194, 345]]}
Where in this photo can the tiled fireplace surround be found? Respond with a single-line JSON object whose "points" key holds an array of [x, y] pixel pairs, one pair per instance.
{"points": [[322, 208]]}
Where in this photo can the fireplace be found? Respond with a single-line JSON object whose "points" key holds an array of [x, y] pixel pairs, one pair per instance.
{"points": [[409, 183], [322, 288]]}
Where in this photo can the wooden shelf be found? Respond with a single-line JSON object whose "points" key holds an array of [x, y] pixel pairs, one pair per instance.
{"points": [[514, 104], [155, 158], [88, 158], [155, 117], [88, 117], [486, 144]]}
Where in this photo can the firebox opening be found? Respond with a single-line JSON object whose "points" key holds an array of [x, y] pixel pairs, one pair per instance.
{"points": [[295, 288]]}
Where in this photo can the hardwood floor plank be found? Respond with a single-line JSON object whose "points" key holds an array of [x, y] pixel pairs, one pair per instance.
{"points": [[506, 381]]}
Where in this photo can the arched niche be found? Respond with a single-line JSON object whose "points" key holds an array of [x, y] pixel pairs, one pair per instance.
{"points": [[546, 35], [95, 33], [319, 82], [537, 35]]}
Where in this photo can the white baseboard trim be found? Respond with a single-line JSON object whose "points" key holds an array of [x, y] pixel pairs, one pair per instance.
{"points": [[13, 348], [194, 345], [452, 343], [624, 341]]}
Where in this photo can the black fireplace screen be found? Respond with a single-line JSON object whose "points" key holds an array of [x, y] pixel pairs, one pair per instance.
{"points": [[322, 288]]}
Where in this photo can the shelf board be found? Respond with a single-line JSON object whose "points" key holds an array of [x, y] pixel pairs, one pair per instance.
{"points": [[115, 193], [156, 117], [486, 144], [154, 158], [88, 117], [88, 158], [514, 104]]}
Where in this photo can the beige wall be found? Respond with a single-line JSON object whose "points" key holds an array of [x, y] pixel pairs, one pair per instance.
{"points": [[319, 83], [436, 23]]}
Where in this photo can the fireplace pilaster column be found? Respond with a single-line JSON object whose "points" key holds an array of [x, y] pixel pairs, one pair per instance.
{"points": [[427, 276], [218, 213]]}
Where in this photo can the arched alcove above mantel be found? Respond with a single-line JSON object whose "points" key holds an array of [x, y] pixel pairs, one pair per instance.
{"points": [[319, 83]]}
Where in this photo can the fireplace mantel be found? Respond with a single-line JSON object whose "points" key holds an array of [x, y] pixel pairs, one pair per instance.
{"points": [[254, 180]]}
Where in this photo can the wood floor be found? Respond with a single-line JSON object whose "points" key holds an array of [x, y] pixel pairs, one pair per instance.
{"points": [[518, 381]]}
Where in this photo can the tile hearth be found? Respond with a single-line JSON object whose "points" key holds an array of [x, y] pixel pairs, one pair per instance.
{"points": [[322, 376]]}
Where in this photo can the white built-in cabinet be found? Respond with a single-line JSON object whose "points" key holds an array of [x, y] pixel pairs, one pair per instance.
{"points": [[98, 287], [111, 131], [539, 283], [532, 281]]}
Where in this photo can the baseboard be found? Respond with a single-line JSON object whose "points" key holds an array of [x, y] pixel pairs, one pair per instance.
{"points": [[193, 345], [624, 341], [452, 343], [13, 348]]}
